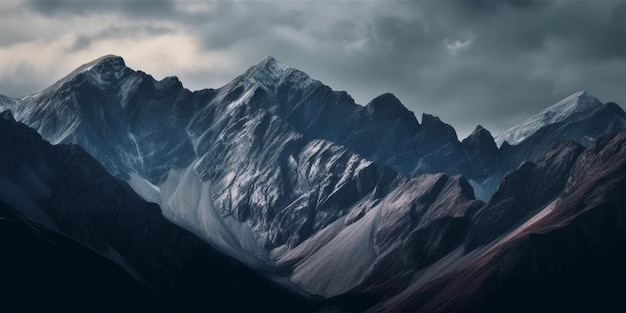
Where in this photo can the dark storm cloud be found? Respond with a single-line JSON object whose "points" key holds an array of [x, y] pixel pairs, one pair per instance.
{"points": [[512, 58], [519, 60], [586, 29], [601, 37], [139, 8], [486, 7], [471, 62]]}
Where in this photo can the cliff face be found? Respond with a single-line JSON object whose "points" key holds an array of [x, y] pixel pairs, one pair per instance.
{"points": [[299, 183], [564, 256], [64, 216]]}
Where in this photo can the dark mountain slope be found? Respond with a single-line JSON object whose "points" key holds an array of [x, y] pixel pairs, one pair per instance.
{"points": [[43, 270], [566, 258], [283, 173], [69, 192]]}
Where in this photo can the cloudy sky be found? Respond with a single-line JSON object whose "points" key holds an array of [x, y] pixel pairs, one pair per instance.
{"points": [[493, 63]]}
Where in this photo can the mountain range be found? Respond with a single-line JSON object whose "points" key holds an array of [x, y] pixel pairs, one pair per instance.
{"points": [[279, 190]]}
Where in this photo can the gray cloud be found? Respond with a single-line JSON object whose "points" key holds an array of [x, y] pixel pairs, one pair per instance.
{"points": [[135, 8], [19, 82], [471, 62], [84, 41]]}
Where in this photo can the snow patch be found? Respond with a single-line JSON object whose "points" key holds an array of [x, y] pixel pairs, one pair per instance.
{"points": [[340, 264], [127, 87], [573, 104], [241, 100], [144, 188], [188, 202]]}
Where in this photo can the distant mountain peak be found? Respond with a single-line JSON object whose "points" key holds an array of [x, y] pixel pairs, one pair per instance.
{"points": [[480, 133], [386, 103], [102, 70], [269, 73], [106, 68], [478, 129], [582, 93], [269, 65], [437, 127], [106, 60], [429, 119], [388, 106], [268, 59], [481, 139], [98, 66], [575, 103]]}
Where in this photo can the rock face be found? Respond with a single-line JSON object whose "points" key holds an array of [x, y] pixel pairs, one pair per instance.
{"points": [[235, 166], [566, 256], [105, 107], [574, 104], [358, 247], [482, 153], [134, 124], [582, 126], [257, 151], [529, 188], [52, 190], [295, 180]]}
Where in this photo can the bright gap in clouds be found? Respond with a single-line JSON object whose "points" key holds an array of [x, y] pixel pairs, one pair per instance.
{"points": [[163, 55]]}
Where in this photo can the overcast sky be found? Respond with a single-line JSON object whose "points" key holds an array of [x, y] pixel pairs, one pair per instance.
{"points": [[493, 63]]}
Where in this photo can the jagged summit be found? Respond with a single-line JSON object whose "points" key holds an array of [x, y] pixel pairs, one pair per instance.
{"points": [[480, 139], [386, 102], [432, 121], [105, 66], [268, 60], [436, 128], [479, 128], [109, 59], [269, 73], [574, 103], [268, 66], [479, 132], [388, 107], [295, 179], [102, 70], [578, 102]]}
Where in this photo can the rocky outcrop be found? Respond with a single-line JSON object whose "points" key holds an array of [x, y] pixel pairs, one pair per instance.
{"points": [[567, 257], [482, 154], [283, 173], [524, 191], [61, 192]]}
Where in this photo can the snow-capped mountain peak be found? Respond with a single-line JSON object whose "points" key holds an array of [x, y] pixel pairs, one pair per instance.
{"points": [[103, 70], [270, 63], [296, 180], [268, 69], [114, 61], [105, 66], [269, 73], [571, 105]]}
